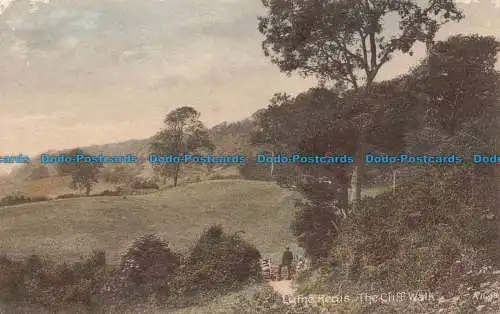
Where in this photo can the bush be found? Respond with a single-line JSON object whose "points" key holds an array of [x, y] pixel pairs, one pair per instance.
{"points": [[69, 195], [149, 273], [144, 271], [41, 282], [15, 199], [109, 193], [413, 240], [147, 184], [119, 174], [316, 220], [221, 262], [39, 198]]}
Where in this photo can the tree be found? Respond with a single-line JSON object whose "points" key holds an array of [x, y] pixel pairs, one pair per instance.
{"points": [[461, 85], [269, 130], [67, 169], [83, 174], [317, 220], [117, 174], [313, 123], [183, 133], [341, 41]]}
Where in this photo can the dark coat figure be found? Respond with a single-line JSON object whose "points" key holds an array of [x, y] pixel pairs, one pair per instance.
{"points": [[286, 260]]}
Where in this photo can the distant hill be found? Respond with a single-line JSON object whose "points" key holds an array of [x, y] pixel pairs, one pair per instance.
{"points": [[233, 138], [137, 147], [229, 138]]}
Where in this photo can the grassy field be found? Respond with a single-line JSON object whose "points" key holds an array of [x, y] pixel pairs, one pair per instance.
{"points": [[66, 229], [49, 187], [70, 228]]}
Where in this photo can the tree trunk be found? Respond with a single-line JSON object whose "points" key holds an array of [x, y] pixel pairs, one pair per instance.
{"points": [[272, 164], [343, 195], [343, 190], [357, 175], [176, 174], [359, 169]]}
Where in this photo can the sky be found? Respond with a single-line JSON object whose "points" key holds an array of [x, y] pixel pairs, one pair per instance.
{"points": [[78, 73]]}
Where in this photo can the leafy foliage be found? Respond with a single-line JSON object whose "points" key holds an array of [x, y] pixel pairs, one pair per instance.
{"points": [[85, 177], [15, 199], [84, 174], [144, 270], [183, 133], [65, 169], [119, 174], [340, 40], [411, 239], [460, 84], [219, 261], [43, 283]]}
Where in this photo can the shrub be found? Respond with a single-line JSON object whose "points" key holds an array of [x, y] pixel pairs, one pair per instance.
{"points": [[149, 272], [220, 262], [69, 195], [144, 271], [15, 199], [41, 282], [147, 184], [413, 239], [316, 220], [110, 193], [39, 198], [119, 174]]}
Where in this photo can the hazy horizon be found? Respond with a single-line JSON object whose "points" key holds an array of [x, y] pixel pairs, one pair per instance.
{"points": [[98, 72]]}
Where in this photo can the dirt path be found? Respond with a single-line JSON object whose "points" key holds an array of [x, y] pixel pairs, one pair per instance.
{"points": [[283, 287]]}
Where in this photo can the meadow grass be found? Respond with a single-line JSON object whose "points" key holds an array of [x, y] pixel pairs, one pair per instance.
{"points": [[69, 228], [50, 187]]}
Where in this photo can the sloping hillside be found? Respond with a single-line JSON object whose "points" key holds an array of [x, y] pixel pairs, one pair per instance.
{"points": [[71, 227], [128, 147], [229, 138]]}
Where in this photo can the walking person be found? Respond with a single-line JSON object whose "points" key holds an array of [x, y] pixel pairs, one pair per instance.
{"points": [[286, 260]]}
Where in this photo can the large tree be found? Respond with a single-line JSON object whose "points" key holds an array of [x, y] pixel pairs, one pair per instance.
{"points": [[84, 175], [183, 133], [342, 41], [67, 169], [271, 130], [313, 123]]}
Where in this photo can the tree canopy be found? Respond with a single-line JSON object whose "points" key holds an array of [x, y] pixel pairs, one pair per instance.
{"points": [[183, 133], [343, 40]]}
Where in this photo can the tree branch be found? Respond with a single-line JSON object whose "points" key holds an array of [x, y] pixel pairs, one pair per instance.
{"points": [[349, 53]]}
